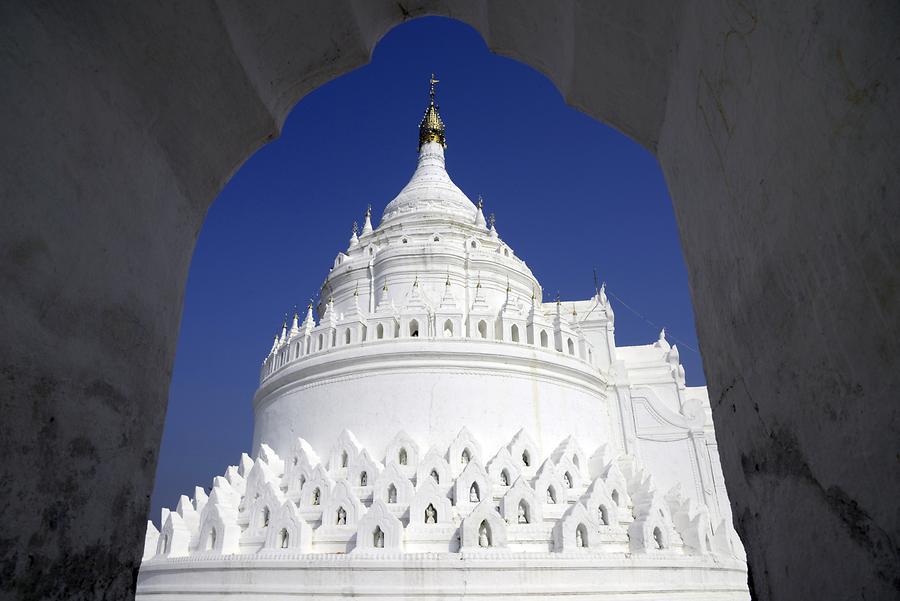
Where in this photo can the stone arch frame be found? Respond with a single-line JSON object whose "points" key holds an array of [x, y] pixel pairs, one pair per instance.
{"points": [[429, 493], [565, 467], [298, 530], [320, 480], [616, 484], [346, 443], [342, 496], [174, 538], [521, 444], [364, 463], [564, 532], [303, 459], [570, 451], [393, 476], [597, 496], [269, 500], [434, 460], [260, 476], [522, 491], [468, 530], [642, 536], [502, 462], [379, 515], [473, 474], [548, 477], [464, 440], [654, 121], [402, 440]]}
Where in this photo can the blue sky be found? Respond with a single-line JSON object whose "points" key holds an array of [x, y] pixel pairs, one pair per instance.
{"points": [[569, 194]]}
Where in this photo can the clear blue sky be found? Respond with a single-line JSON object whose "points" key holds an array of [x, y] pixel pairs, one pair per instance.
{"points": [[569, 194]]}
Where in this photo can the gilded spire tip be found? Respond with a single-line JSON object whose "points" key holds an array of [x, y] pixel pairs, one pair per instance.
{"points": [[431, 128]]}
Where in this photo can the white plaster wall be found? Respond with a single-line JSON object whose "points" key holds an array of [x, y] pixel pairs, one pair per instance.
{"points": [[431, 389]]}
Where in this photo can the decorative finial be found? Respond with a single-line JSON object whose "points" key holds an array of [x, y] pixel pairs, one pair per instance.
{"points": [[384, 288], [431, 128], [369, 210], [662, 334], [478, 282], [480, 202], [355, 228], [447, 283], [416, 281], [284, 321], [492, 220], [433, 81], [574, 314], [507, 285], [557, 298], [533, 294], [356, 290]]}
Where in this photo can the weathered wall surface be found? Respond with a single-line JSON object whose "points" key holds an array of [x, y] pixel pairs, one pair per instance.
{"points": [[774, 126], [780, 150]]}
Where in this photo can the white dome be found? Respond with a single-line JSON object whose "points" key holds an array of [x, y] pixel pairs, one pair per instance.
{"points": [[430, 191]]}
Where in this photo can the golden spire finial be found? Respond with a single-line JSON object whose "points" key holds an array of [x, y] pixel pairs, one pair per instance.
{"points": [[431, 128]]}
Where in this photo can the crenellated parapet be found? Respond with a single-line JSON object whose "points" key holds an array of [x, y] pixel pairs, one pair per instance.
{"points": [[445, 501]]}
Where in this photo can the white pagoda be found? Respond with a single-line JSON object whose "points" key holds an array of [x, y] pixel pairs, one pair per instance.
{"points": [[442, 433]]}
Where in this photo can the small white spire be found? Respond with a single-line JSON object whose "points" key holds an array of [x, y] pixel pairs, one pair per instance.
{"points": [[479, 214], [367, 224], [310, 321], [492, 220], [354, 239]]}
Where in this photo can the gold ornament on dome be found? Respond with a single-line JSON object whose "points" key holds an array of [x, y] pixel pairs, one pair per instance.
{"points": [[431, 129]]}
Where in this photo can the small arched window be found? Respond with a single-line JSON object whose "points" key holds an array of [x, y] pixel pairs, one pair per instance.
{"points": [[581, 536], [551, 495], [504, 478], [321, 342], [482, 329], [347, 336], [526, 459], [524, 516], [435, 477], [514, 333], [474, 244], [484, 534], [615, 497], [402, 458], [302, 481], [404, 241], [283, 538], [378, 538], [413, 328], [568, 479], [448, 329], [465, 457], [333, 338], [571, 346], [211, 540], [363, 479], [658, 541], [392, 494], [544, 338], [603, 514], [437, 239], [379, 332], [506, 252], [264, 518], [343, 458]]}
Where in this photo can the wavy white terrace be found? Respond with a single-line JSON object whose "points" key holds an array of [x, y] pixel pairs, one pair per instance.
{"points": [[502, 445]]}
